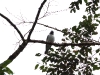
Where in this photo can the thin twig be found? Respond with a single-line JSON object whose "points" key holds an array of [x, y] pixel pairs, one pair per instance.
{"points": [[49, 27], [43, 25], [46, 11], [13, 25]]}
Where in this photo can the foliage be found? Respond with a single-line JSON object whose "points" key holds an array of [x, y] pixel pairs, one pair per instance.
{"points": [[5, 71], [76, 60], [92, 6]]}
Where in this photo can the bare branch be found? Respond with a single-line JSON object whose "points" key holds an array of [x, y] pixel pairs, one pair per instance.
{"points": [[46, 11], [13, 26], [49, 27], [17, 52], [36, 19], [64, 44], [43, 25]]}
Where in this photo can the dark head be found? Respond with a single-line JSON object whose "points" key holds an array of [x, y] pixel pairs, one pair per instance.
{"points": [[52, 32]]}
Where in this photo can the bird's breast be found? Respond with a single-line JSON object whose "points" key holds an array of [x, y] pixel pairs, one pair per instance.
{"points": [[50, 38]]}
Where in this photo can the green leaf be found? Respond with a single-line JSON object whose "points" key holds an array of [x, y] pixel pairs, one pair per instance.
{"points": [[73, 28], [4, 64], [45, 69], [89, 3], [42, 67], [36, 66], [85, 1], [80, 1], [50, 69], [97, 50], [77, 6], [98, 20], [2, 73], [65, 31], [90, 51], [8, 70], [44, 59], [84, 17], [94, 33], [74, 10], [95, 59], [95, 67], [51, 49], [79, 73], [38, 54], [76, 52], [96, 15], [76, 40]]}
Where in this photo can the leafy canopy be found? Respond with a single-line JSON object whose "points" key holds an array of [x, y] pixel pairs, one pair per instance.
{"points": [[76, 60]]}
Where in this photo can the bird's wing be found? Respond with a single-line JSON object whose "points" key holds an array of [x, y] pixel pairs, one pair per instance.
{"points": [[47, 38], [47, 45], [50, 38]]}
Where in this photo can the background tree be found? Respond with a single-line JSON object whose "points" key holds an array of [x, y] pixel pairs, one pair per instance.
{"points": [[79, 57]]}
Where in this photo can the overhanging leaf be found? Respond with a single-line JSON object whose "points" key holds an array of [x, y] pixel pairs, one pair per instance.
{"points": [[38, 54], [36, 66]]}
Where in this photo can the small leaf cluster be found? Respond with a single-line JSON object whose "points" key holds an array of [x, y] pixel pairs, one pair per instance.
{"points": [[91, 6], [75, 60], [69, 61], [6, 70]]}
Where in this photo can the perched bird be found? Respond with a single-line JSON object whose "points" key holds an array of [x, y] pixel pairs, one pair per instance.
{"points": [[50, 38]]}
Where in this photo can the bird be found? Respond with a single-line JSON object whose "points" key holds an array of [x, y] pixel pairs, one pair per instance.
{"points": [[50, 38]]}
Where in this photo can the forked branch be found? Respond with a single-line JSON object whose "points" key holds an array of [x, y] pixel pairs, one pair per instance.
{"points": [[25, 42], [13, 25], [36, 19]]}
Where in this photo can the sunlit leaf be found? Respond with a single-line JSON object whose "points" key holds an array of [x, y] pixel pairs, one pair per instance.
{"points": [[97, 50], [42, 67], [95, 67], [38, 54], [36, 66], [85, 1]]}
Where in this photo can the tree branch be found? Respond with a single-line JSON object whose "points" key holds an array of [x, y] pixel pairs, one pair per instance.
{"points": [[65, 44], [43, 25], [25, 42], [36, 19], [14, 55], [49, 27], [17, 52], [13, 26]]}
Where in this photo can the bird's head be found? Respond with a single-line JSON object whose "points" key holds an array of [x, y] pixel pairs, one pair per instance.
{"points": [[52, 32]]}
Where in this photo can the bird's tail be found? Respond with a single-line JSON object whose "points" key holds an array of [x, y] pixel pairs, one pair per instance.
{"points": [[46, 52], [47, 48]]}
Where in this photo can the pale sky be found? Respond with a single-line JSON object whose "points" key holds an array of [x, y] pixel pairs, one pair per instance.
{"points": [[19, 10]]}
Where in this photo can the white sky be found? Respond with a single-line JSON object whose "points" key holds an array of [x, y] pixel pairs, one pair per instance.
{"points": [[17, 10]]}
